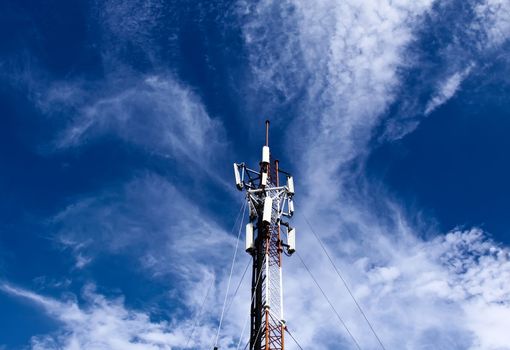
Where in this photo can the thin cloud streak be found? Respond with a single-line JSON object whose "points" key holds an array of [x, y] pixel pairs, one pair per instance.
{"points": [[101, 324], [154, 112], [447, 89]]}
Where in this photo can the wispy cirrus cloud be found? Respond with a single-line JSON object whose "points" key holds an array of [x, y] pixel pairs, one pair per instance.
{"points": [[169, 237], [163, 228], [342, 65], [100, 323], [339, 65], [446, 293], [458, 42], [346, 56], [447, 89], [494, 20], [149, 218], [153, 111], [145, 104], [480, 31]]}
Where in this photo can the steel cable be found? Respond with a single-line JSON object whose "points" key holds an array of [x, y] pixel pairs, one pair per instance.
{"points": [[230, 275], [197, 319], [295, 341], [237, 288], [345, 283], [329, 302]]}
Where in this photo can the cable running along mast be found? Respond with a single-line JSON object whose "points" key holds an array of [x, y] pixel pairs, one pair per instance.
{"points": [[269, 204]]}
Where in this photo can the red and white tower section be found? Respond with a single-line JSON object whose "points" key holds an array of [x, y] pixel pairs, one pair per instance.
{"points": [[268, 236]]}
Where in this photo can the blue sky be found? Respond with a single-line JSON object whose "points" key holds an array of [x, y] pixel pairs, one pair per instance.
{"points": [[120, 122]]}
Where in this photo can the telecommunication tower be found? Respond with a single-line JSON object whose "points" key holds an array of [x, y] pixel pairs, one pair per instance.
{"points": [[269, 203]]}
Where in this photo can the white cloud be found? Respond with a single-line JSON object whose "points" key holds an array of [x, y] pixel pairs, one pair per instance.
{"points": [[148, 218], [173, 242], [44, 282], [340, 63], [487, 30], [101, 323], [478, 271], [446, 293], [493, 18], [447, 89], [168, 236], [153, 111], [347, 57]]}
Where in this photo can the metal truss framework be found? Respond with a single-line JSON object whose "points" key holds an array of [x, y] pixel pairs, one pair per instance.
{"points": [[264, 195]]}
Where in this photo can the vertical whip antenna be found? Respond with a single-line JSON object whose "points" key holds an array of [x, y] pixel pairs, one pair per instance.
{"points": [[267, 133]]}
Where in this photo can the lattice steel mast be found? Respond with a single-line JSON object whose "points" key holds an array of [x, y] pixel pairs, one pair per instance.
{"points": [[269, 204]]}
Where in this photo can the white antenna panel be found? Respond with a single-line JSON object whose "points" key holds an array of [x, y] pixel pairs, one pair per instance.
{"points": [[249, 237], [237, 175], [291, 240], [265, 154], [264, 179], [268, 210], [290, 185]]}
